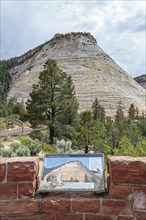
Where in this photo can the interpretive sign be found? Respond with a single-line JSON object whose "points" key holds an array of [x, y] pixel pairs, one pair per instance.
{"points": [[74, 172]]}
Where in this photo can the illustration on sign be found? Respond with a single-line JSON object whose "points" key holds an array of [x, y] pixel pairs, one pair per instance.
{"points": [[73, 172]]}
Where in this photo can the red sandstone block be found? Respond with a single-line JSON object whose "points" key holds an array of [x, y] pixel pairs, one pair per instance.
{"points": [[140, 215], [126, 177], [120, 192], [56, 204], [19, 206], [139, 197], [8, 191], [22, 168], [69, 217], [2, 168], [116, 207], [97, 217], [123, 169], [28, 217], [125, 218], [86, 204], [27, 189]]}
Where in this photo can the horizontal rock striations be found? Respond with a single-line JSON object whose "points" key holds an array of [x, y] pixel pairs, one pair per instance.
{"points": [[75, 170], [94, 73]]}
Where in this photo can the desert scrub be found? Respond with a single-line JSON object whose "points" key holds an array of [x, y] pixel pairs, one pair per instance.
{"points": [[33, 145], [41, 135], [5, 152], [15, 150], [22, 151], [1, 145], [63, 146], [48, 148], [3, 123], [8, 138]]}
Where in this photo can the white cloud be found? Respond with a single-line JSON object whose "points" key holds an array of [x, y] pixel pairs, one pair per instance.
{"points": [[118, 26]]}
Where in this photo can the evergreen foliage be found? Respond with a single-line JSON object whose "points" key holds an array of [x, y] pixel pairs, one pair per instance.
{"points": [[132, 112], [5, 80], [63, 146], [98, 111], [90, 132], [52, 101], [12, 107]]}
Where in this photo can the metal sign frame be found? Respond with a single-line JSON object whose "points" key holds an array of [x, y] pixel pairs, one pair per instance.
{"points": [[72, 172]]}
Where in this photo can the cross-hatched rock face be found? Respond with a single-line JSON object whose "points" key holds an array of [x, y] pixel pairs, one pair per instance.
{"points": [[94, 73]]}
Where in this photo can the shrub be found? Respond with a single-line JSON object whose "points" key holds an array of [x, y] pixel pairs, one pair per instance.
{"points": [[41, 135], [34, 147], [5, 152], [3, 123], [48, 148], [24, 139], [63, 146], [1, 145], [15, 150], [22, 151], [8, 138], [15, 146]]}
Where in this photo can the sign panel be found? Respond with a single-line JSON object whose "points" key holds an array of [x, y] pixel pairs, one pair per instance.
{"points": [[74, 172]]}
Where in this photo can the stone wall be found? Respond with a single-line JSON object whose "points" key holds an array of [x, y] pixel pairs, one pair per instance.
{"points": [[125, 200]]}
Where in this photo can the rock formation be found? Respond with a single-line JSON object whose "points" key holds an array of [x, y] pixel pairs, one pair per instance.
{"points": [[75, 170], [94, 73], [141, 80]]}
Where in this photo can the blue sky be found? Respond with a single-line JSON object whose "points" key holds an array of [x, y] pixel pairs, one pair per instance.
{"points": [[50, 162], [118, 26], [53, 162]]}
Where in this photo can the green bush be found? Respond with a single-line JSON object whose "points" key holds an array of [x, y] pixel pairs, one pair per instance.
{"points": [[1, 145], [15, 150], [8, 138], [24, 139], [41, 135], [5, 152], [127, 149], [3, 123], [33, 145], [63, 146], [23, 151], [15, 146], [48, 148]]}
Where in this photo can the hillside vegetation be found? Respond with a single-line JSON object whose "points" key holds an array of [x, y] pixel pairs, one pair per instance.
{"points": [[53, 110]]}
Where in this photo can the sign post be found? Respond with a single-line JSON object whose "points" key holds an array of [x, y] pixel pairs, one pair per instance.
{"points": [[73, 172]]}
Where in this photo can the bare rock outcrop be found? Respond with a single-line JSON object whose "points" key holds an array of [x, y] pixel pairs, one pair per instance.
{"points": [[141, 80], [94, 73], [75, 170]]}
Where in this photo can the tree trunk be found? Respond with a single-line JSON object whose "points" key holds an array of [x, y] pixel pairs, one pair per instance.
{"points": [[86, 149], [51, 141]]}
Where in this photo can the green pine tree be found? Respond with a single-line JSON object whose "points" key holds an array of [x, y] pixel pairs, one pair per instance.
{"points": [[90, 132], [132, 112], [52, 101], [98, 111]]}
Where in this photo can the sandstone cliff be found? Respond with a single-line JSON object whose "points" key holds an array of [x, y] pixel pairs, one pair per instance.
{"points": [[75, 170], [93, 72]]}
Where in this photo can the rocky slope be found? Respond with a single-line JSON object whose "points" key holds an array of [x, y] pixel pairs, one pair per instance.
{"points": [[75, 170], [93, 72], [141, 80]]}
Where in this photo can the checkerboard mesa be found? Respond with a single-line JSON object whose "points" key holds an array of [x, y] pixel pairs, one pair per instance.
{"points": [[94, 73]]}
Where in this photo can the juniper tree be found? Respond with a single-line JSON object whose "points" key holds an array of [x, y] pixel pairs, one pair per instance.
{"points": [[98, 111], [132, 112], [52, 101], [90, 132]]}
